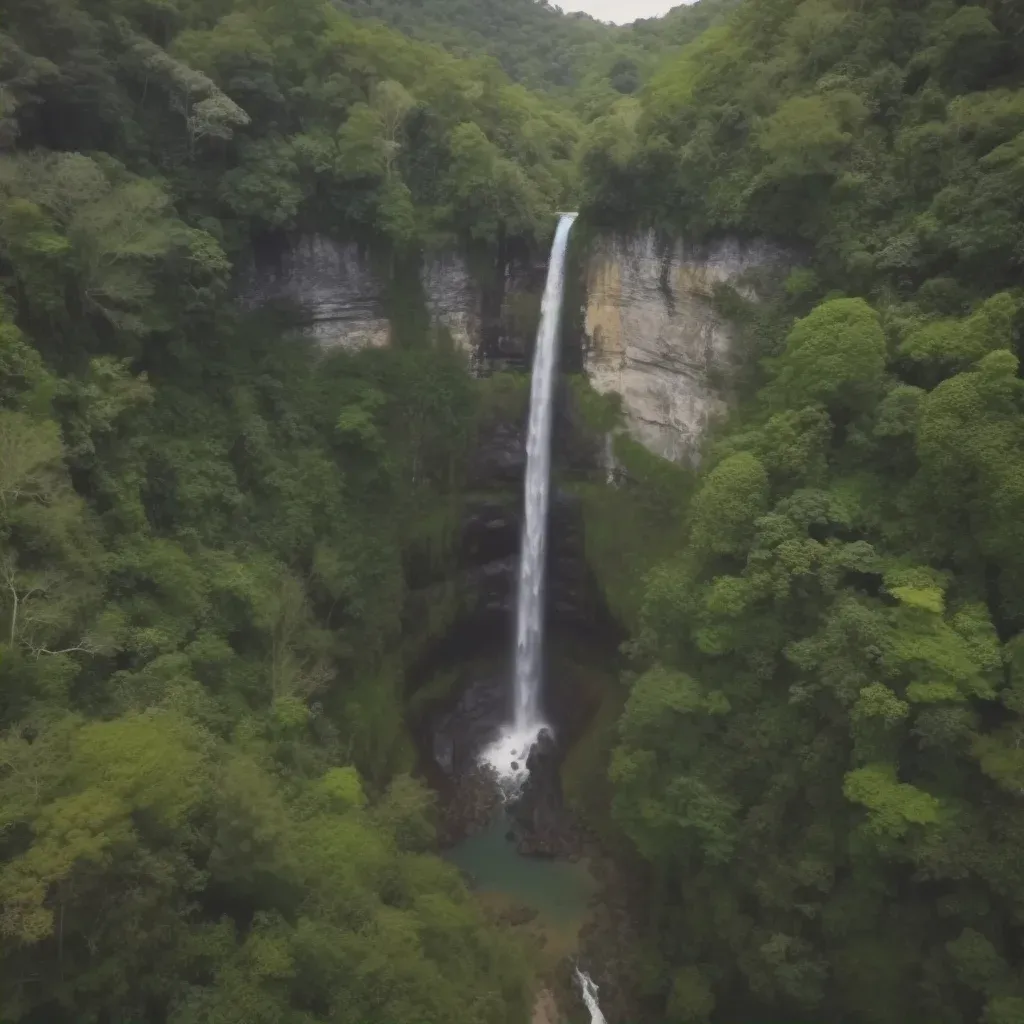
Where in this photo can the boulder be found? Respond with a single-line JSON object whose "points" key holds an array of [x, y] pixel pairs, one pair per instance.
{"points": [[539, 811]]}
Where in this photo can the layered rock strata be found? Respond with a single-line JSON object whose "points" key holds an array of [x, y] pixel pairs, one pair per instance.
{"points": [[654, 336]]}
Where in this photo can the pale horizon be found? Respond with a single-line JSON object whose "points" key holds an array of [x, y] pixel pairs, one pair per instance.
{"points": [[621, 12]]}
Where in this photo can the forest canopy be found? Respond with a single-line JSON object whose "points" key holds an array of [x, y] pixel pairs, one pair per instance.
{"points": [[820, 753], [206, 526], [587, 63], [210, 531]]}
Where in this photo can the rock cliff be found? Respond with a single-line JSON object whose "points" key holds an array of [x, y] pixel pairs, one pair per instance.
{"points": [[337, 297], [453, 301], [340, 298], [654, 337], [651, 330]]}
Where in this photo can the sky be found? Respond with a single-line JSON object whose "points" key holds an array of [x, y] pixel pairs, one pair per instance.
{"points": [[620, 11]]}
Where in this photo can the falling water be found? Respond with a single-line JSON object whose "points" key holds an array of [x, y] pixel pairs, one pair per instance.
{"points": [[530, 608], [508, 754], [589, 991]]}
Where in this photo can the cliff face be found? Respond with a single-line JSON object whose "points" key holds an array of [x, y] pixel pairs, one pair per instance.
{"points": [[454, 301], [338, 298], [653, 335], [342, 300]]}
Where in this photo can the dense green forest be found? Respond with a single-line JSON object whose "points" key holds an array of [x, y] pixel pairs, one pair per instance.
{"points": [[533, 42], [207, 529], [588, 63], [210, 532], [821, 754]]}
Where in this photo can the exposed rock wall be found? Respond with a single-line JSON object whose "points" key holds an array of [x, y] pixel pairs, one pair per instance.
{"points": [[653, 335], [332, 285], [341, 298], [454, 301]]}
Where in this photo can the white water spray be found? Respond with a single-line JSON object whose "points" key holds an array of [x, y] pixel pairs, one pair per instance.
{"points": [[513, 746], [589, 992]]}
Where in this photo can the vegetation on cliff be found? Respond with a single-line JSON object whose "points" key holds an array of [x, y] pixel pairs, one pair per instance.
{"points": [[588, 63], [259, 117]]}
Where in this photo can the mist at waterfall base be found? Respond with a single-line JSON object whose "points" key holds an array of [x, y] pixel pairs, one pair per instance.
{"points": [[507, 755]]}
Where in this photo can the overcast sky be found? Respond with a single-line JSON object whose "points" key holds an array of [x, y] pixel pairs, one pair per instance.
{"points": [[620, 11]]}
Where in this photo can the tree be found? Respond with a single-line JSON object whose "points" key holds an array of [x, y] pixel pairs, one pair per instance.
{"points": [[836, 356], [206, 111], [727, 506]]}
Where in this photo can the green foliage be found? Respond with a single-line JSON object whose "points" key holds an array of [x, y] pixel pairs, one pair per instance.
{"points": [[885, 137], [835, 356], [820, 760], [211, 533], [726, 507], [892, 807], [116, 829], [258, 121], [488, 190], [214, 541], [691, 998], [629, 527], [537, 45], [952, 344]]}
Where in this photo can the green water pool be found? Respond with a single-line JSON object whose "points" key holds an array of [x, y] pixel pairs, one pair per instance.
{"points": [[559, 891]]}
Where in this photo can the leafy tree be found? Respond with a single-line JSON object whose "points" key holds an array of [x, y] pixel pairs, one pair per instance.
{"points": [[834, 356]]}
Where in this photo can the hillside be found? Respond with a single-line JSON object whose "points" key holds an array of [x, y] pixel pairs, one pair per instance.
{"points": [[820, 755], [532, 41], [225, 551], [206, 525], [536, 44]]}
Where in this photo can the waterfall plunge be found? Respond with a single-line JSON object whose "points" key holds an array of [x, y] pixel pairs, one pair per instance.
{"points": [[513, 746]]}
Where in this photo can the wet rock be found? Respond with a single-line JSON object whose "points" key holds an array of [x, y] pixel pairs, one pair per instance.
{"points": [[518, 916], [341, 294], [336, 294], [539, 812], [611, 943], [499, 458], [545, 1008], [490, 529], [472, 802], [543, 847], [453, 301], [472, 720]]}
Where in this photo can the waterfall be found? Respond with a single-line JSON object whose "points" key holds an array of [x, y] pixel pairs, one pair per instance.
{"points": [[508, 754], [530, 604], [589, 992]]}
